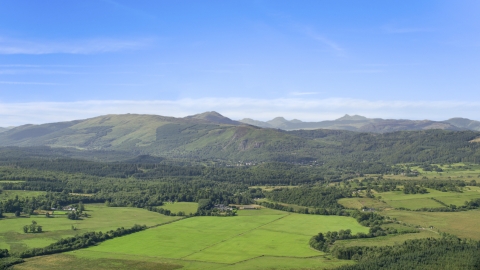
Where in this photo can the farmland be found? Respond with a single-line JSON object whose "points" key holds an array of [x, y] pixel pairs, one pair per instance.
{"points": [[186, 207], [462, 224], [259, 238], [100, 218]]}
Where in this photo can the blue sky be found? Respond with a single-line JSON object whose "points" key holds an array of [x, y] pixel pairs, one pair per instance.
{"points": [[311, 60]]}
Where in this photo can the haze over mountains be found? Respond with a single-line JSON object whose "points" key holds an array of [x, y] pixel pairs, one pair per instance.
{"points": [[364, 124], [211, 136]]}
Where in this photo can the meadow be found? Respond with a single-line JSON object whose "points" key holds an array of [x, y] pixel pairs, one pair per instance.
{"points": [[455, 171], [186, 207], [462, 224], [255, 239], [101, 218], [397, 199]]}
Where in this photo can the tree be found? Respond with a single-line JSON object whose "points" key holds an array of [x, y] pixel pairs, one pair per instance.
{"points": [[25, 229], [17, 213]]}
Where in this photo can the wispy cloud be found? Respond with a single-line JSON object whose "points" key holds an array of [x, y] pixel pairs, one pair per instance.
{"points": [[303, 93], [306, 109], [87, 46], [332, 45]]}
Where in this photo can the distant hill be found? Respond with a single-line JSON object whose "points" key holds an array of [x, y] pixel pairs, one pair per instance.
{"points": [[213, 117], [2, 129], [364, 124], [210, 136]]}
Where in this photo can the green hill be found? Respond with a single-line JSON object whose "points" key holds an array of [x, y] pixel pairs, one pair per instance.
{"points": [[210, 136]]}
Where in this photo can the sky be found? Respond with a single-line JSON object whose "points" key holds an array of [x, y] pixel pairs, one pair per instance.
{"points": [[310, 60]]}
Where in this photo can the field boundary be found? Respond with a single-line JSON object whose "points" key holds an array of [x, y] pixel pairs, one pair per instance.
{"points": [[237, 235]]}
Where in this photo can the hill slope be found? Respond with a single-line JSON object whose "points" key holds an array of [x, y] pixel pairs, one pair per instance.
{"points": [[206, 137]]}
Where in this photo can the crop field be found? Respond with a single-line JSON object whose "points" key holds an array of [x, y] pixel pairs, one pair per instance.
{"points": [[186, 207], [462, 224], [101, 218], [259, 239]]}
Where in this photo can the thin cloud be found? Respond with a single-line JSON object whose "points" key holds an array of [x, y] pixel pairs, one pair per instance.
{"points": [[305, 109], [303, 93], [89, 46], [332, 45]]}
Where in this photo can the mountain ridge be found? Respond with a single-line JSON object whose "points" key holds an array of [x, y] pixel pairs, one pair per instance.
{"points": [[207, 137], [363, 124]]}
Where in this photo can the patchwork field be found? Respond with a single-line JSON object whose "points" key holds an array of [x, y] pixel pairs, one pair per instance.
{"points": [[462, 224], [256, 239], [456, 171], [101, 218], [398, 199]]}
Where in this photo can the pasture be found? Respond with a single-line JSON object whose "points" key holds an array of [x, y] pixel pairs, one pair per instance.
{"points": [[397, 199], [101, 218], [258, 239], [389, 240], [461, 224], [456, 171], [186, 207]]}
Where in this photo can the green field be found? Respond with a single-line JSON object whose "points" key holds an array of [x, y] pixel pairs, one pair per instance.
{"points": [[388, 240], [186, 207], [359, 203], [10, 194], [462, 224], [398, 199], [456, 171], [256, 239], [101, 218]]}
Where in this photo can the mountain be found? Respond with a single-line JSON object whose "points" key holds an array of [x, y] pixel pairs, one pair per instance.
{"points": [[210, 136], [199, 136], [2, 129], [464, 123], [213, 117], [364, 124]]}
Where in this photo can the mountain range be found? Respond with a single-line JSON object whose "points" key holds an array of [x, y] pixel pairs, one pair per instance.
{"points": [[211, 136], [364, 124]]}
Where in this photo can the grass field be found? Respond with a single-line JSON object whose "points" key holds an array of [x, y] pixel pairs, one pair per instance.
{"points": [[10, 194], [101, 218], [186, 207], [255, 239], [398, 199], [359, 203], [462, 224], [388, 240], [456, 171]]}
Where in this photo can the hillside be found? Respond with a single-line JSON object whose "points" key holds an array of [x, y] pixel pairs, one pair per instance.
{"points": [[2, 129], [364, 124], [207, 137], [200, 136]]}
